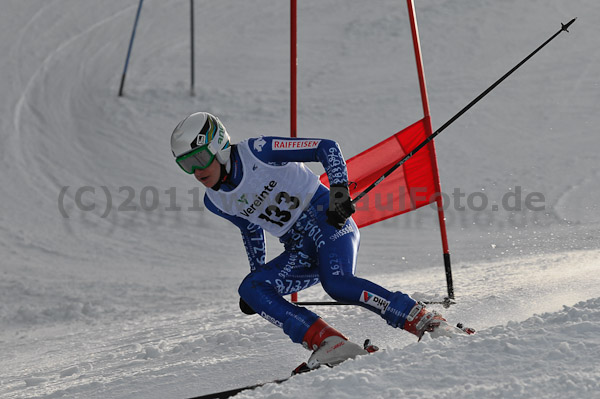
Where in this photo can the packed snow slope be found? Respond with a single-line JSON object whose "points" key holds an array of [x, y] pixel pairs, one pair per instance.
{"points": [[115, 283]]}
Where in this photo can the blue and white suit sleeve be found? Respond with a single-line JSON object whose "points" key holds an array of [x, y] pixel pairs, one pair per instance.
{"points": [[280, 150], [253, 236]]}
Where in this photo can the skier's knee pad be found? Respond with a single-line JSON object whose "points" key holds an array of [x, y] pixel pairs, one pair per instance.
{"points": [[252, 293], [245, 308]]}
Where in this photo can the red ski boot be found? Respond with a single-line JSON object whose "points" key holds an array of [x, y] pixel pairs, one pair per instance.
{"points": [[421, 320]]}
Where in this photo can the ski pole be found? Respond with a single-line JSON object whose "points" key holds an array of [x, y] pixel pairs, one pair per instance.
{"points": [[564, 28]]}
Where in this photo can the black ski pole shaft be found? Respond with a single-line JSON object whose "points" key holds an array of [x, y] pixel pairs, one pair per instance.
{"points": [[564, 28]]}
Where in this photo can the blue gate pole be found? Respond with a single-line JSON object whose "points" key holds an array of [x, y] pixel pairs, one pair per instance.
{"points": [[137, 17]]}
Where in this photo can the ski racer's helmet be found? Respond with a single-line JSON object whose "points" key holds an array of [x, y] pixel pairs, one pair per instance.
{"points": [[197, 140]]}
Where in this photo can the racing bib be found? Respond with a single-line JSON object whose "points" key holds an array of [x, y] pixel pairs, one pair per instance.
{"points": [[272, 197]]}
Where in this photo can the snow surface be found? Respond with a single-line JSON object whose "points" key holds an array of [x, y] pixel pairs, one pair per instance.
{"points": [[136, 297]]}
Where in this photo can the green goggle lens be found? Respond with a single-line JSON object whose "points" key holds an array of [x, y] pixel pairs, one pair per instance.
{"points": [[200, 158]]}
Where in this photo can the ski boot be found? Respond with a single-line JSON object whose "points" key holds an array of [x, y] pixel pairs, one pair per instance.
{"points": [[421, 321], [330, 347]]}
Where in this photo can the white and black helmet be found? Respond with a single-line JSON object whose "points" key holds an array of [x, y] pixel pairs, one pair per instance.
{"points": [[198, 139]]}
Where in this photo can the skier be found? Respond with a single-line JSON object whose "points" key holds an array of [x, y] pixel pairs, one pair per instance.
{"points": [[262, 184]]}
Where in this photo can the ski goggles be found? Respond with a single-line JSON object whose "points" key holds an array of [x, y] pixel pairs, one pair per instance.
{"points": [[199, 158]]}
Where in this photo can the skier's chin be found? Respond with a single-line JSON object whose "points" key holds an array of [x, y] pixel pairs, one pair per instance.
{"points": [[207, 181]]}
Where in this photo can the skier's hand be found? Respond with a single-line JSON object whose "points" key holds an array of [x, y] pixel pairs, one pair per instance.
{"points": [[340, 205]]}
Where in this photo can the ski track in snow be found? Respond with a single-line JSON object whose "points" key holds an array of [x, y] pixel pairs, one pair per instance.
{"points": [[131, 304]]}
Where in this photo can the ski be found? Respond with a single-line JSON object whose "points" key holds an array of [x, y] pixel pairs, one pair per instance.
{"points": [[301, 369], [235, 391], [446, 329]]}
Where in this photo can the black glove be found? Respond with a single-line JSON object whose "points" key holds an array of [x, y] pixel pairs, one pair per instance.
{"points": [[340, 205]]}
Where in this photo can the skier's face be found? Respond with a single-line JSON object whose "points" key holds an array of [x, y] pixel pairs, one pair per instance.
{"points": [[209, 176]]}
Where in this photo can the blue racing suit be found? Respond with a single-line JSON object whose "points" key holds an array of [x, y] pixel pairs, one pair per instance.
{"points": [[314, 251]]}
